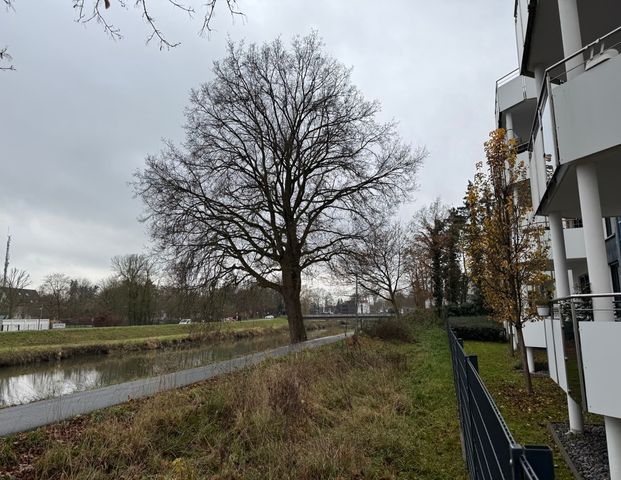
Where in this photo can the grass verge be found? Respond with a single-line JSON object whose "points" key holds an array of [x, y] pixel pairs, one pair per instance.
{"points": [[366, 409], [526, 415], [33, 346]]}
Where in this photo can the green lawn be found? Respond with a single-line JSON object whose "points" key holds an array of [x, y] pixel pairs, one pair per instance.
{"points": [[85, 335], [21, 347], [526, 415]]}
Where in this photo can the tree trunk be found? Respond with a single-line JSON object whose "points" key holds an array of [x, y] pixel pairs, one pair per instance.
{"points": [[393, 300], [291, 289], [522, 347]]}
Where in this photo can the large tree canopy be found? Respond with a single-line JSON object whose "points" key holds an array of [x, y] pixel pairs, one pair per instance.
{"points": [[281, 151]]}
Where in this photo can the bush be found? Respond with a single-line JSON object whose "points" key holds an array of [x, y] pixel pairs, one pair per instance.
{"points": [[390, 329], [478, 328], [426, 317], [465, 310]]}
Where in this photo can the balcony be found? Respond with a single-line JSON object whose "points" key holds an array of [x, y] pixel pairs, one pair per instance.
{"points": [[577, 118], [516, 96], [538, 28], [538, 34], [583, 355]]}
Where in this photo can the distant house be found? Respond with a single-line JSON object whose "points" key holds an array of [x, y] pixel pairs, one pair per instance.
{"points": [[18, 302]]}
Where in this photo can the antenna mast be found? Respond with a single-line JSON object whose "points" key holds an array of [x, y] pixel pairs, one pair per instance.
{"points": [[6, 260]]}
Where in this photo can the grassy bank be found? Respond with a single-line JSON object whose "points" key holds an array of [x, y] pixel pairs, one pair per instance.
{"points": [[32, 346], [373, 410], [526, 415]]}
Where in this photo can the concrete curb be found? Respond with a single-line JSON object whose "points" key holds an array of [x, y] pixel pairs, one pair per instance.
{"points": [[564, 453], [36, 414]]}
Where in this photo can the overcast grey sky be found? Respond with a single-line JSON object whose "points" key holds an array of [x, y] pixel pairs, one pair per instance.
{"points": [[82, 111]]}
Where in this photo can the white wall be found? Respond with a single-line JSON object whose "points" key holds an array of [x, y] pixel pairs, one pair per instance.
{"points": [[601, 358], [20, 324], [587, 111]]}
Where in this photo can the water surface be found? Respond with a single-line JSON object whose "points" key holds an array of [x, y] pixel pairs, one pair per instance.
{"points": [[29, 383]]}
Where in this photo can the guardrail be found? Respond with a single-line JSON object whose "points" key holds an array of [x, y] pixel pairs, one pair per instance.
{"points": [[488, 447]]}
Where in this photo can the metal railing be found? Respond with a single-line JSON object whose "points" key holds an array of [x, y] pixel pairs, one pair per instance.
{"points": [[572, 310], [523, 146], [489, 449]]}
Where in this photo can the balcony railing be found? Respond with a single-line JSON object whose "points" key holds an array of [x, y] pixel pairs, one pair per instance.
{"points": [[503, 81], [584, 335], [543, 132]]}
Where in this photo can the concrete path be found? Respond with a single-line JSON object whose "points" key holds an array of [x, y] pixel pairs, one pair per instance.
{"points": [[32, 415]]}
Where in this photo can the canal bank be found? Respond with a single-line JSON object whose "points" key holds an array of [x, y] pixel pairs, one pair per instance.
{"points": [[20, 348], [36, 414], [40, 381]]}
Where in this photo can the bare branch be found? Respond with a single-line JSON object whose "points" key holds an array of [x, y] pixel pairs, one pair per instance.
{"points": [[5, 58]]}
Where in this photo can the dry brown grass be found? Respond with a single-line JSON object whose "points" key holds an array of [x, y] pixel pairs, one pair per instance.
{"points": [[336, 412]]}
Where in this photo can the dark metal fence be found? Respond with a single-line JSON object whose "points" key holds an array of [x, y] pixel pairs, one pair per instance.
{"points": [[489, 449]]}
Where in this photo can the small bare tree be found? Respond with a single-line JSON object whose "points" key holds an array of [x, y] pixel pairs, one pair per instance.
{"points": [[135, 274], [16, 280], [377, 260], [281, 150], [56, 287]]}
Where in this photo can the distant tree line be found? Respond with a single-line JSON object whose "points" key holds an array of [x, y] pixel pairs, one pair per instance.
{"points": [[135, 294]]}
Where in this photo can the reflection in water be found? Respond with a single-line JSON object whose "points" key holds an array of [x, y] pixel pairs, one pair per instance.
{"points": [[29, 383]]}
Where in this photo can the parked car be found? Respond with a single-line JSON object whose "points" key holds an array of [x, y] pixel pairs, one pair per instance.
{"points": [[185, 321], [269, 316]]}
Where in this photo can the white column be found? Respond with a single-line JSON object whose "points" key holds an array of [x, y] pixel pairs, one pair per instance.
{"points": [[530, 359], [559, 254], [561, 277], [599, 277], [594, 243], [509, 125], [570, 31], [540, 70]]}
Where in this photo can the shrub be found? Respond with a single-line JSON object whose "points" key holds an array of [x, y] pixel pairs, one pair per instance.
{"points": [[478, 328], [465, 310], [426, 317], [390, 329]]}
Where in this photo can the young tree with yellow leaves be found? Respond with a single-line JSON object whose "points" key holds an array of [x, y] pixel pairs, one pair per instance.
{"points": [[506, 249]]}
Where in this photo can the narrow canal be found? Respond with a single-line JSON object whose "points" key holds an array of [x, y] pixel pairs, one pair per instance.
{"points": [[29, 383]]}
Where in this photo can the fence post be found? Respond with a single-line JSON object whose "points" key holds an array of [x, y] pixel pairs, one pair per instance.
{"points": [[516, 452], [474, 361], [540, 459]]}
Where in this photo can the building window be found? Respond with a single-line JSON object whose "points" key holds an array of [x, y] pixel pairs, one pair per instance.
{"points": [[614, 273], [608, 225]]}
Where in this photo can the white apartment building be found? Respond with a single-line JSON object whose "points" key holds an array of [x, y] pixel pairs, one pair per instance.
{"points": [[563, 104]]}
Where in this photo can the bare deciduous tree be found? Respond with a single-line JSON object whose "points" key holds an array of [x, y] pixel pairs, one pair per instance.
{"points": [[135, 274], [16, 280], [377, 260], [56, 286], [281, 149]]}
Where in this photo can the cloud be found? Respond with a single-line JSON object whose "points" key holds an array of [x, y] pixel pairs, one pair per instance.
{"points": [[82, 111]]}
